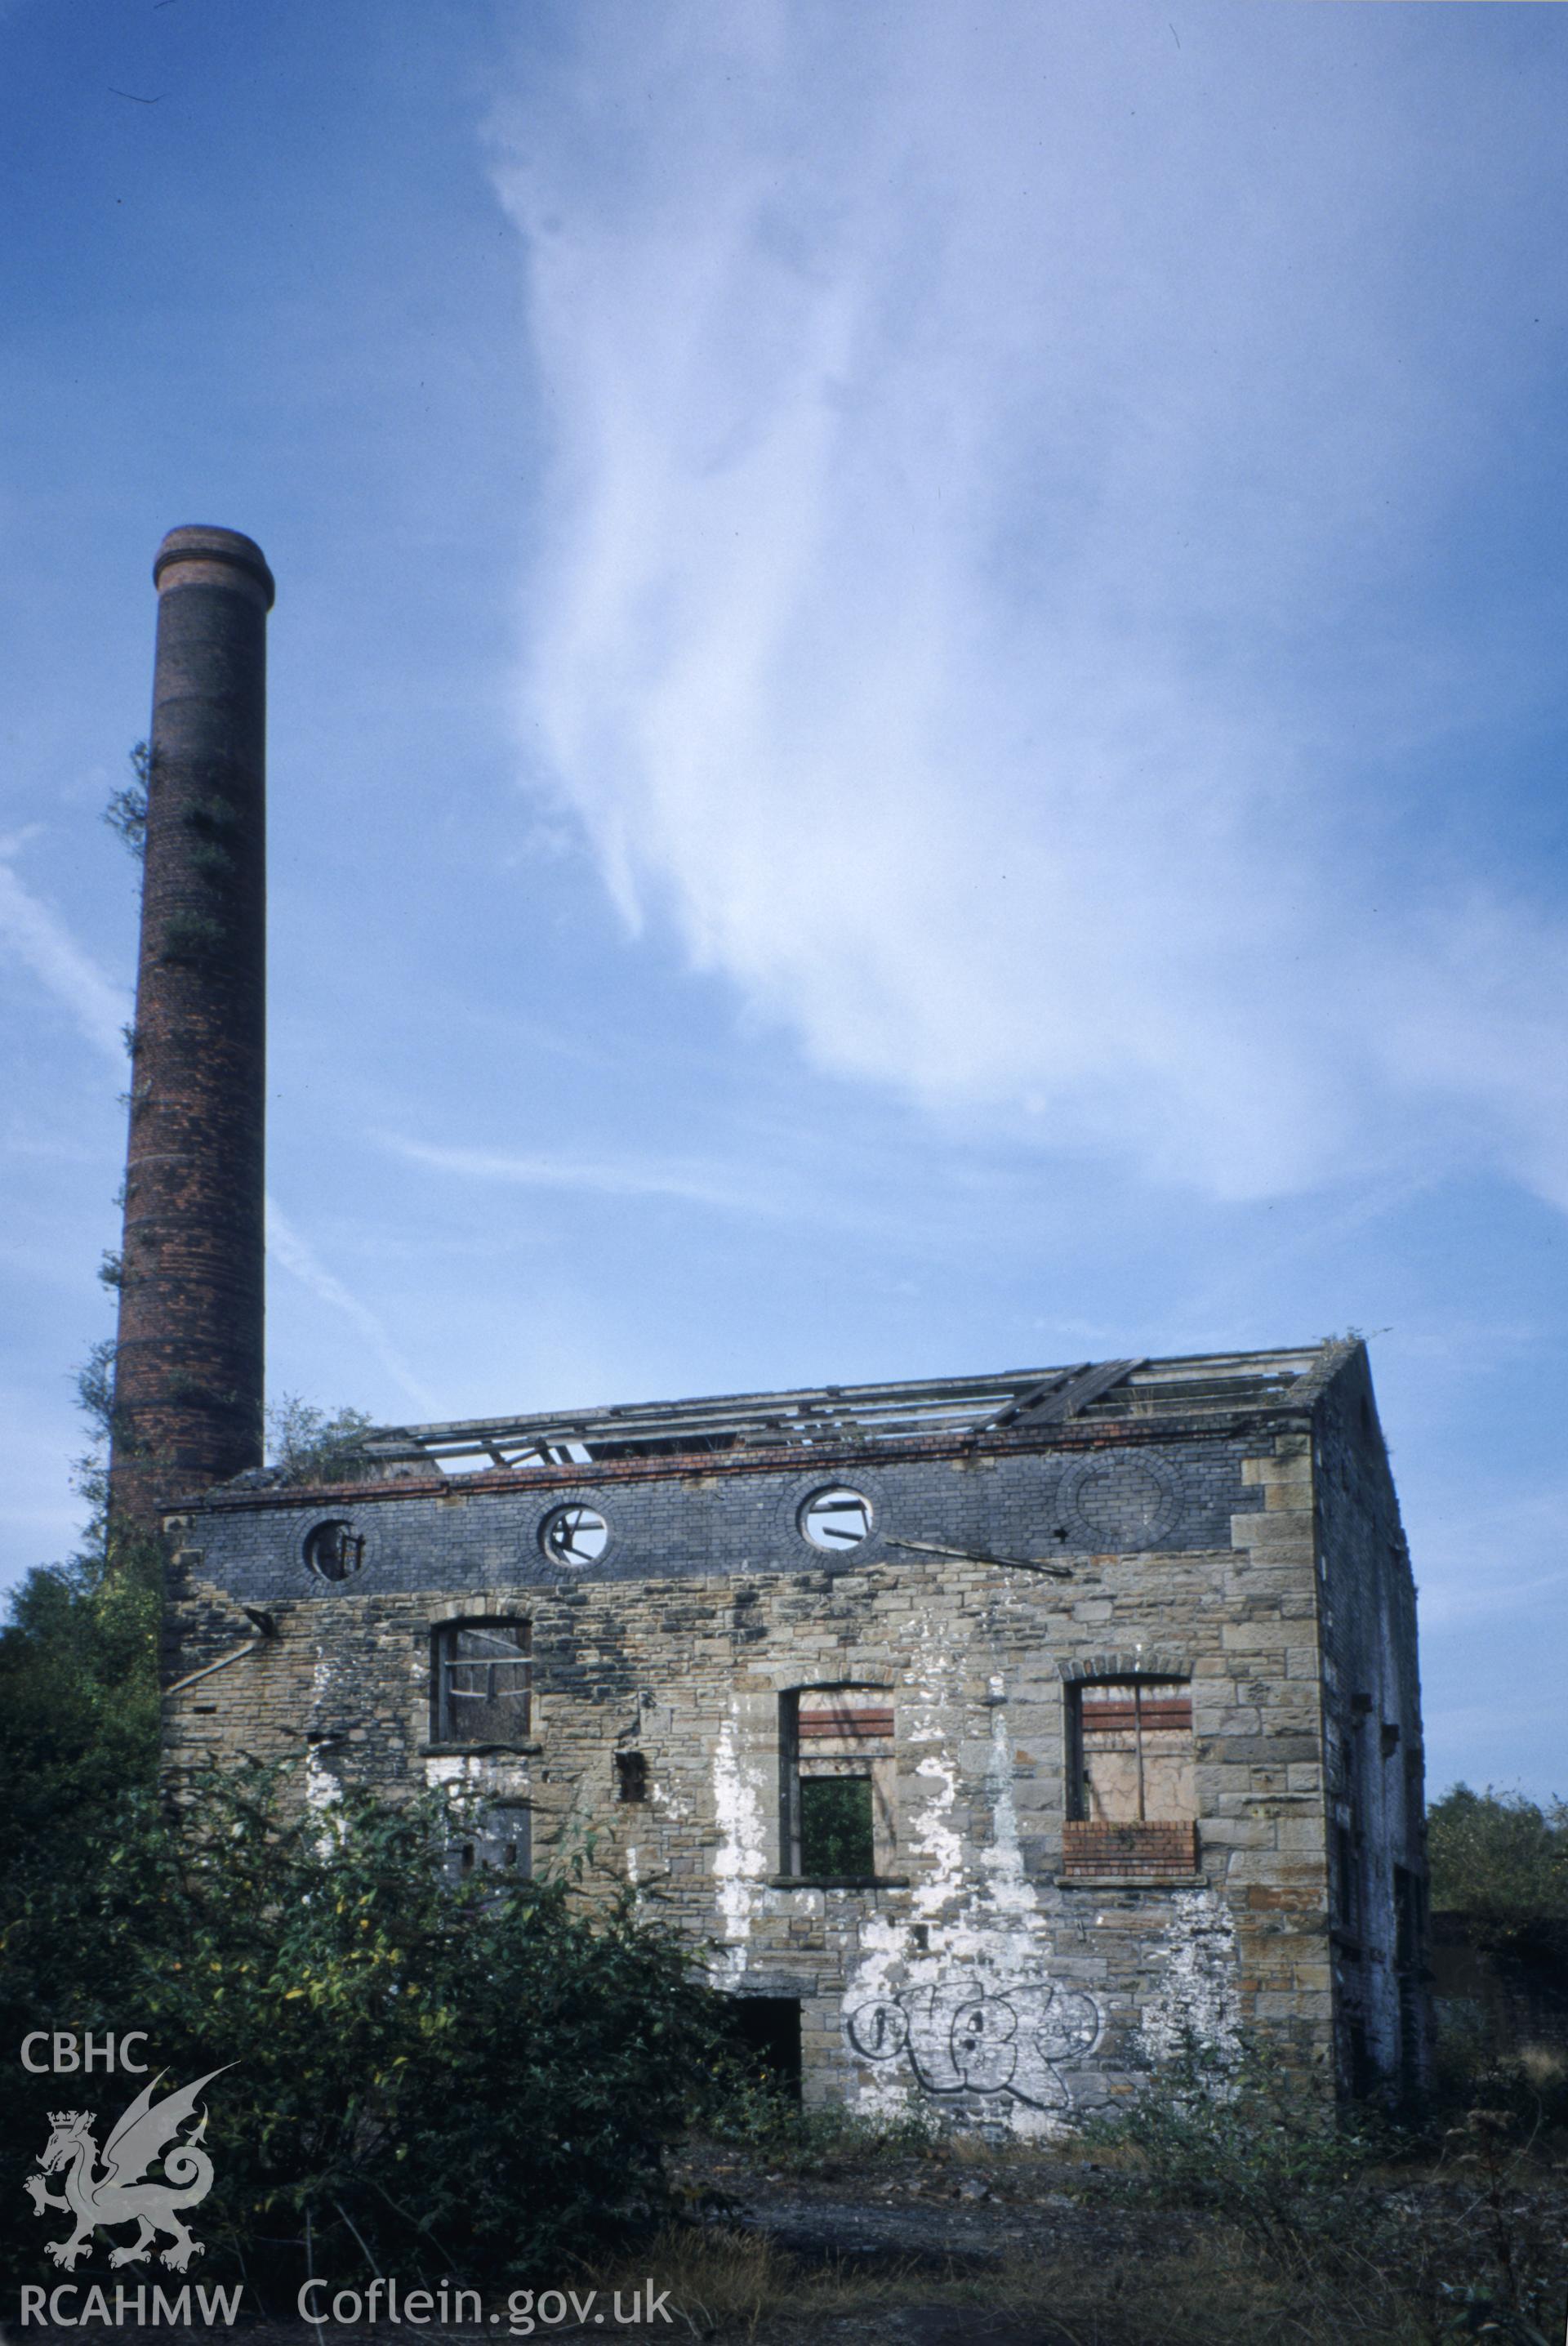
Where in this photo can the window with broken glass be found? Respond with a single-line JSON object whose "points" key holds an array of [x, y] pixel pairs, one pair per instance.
{"points": [[334, 1550], [481, 1674], [837, 1753]]}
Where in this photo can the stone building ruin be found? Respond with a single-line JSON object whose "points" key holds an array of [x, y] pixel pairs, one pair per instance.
{"points": [[995, 1735]]}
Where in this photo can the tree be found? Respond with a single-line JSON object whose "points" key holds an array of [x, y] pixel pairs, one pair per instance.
{"points": [[78, 1663], [443, 2074], [1501, 1861], [314, 1445], [79, 1653]]}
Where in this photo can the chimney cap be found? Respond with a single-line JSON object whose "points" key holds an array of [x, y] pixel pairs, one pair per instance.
{"points": [[197, 541]]}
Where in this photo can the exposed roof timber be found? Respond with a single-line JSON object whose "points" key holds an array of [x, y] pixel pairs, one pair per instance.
{"points": [[1053, 1402], [830, 1416]]}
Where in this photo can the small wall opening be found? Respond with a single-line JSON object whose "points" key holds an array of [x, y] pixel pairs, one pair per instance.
{"points": [[499, 1841], [766, 2030], [334, 1550]]}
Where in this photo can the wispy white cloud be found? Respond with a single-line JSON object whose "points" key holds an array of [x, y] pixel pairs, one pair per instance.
{"points": [[42, 942], [35, 937], [732, 1190], [288, 1246], [1001, 468]]}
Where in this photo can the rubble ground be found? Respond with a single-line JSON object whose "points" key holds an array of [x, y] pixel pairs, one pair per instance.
{"points": [[964, 2243]]}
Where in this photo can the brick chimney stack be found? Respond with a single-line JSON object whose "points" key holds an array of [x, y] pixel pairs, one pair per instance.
{"points": [[189, 1363]]}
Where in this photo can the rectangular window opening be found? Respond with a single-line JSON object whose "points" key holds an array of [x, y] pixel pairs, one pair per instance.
{"points": [[838, 1835], [631, 1776], [1134, 1752], [837, 1754], [1132, 1792], [481, 1676]]}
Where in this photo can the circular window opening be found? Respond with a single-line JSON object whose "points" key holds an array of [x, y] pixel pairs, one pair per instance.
{"points": [[836, 1518], [575, 1536], [334, 1550]]}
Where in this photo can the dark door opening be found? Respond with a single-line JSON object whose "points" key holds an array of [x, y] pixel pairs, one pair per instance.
{"points": [[766, 2031]]}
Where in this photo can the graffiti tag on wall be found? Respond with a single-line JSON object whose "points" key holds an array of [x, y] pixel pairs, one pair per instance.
{"points": [[957, 2041]]}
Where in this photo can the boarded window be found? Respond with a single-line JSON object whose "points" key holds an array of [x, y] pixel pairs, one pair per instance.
{"points": [[1135, 1759], [481, 1682], [848, 1719]]}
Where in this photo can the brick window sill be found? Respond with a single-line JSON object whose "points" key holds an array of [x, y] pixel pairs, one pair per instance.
{"points": [[478, 1750], [838, 1881], [1131, 1880], [1094, 1845]]}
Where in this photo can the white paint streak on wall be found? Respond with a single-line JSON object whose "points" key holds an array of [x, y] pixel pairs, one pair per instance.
{"points": [[932, 1833], [1197, 1998], [889, 1957], [740, 1861], [1008, 1890], [976, 1936], [478, 1773], [323, 1788]]}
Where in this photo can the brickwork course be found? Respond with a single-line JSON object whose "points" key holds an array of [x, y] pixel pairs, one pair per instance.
{"points": [[1223, 1527]]}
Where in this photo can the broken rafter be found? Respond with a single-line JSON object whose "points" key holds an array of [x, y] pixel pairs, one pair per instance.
{"points": [[857, 1417]]}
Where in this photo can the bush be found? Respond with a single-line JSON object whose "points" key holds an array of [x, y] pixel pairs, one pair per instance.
{"points": [[1238, 2132], [1501, 1861], [310, 1445], [1373, 2238], [79, 1696], [440, 2077], [754, 2115]]}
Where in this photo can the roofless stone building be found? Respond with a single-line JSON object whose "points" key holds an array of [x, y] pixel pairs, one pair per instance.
{"points": [[992, 1732]]}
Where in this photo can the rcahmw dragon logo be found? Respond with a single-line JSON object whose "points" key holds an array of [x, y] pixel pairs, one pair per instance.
{"points": [[116, 2193]]}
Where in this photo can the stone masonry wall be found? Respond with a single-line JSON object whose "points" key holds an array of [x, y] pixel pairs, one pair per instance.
{"points": [[1372, 1728], [975, 1977]]}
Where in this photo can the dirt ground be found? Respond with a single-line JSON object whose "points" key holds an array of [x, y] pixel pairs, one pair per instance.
{"points": [[967, 2250]]}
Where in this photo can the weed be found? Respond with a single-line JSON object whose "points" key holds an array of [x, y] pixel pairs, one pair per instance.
{"points": [[754, 2117]]}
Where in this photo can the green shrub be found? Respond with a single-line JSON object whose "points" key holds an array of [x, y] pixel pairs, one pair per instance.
{"points": [[307, 1445], [79, 1696], [440, 2075], [755, 2116], [1500, 1859], [1236, 2131]]}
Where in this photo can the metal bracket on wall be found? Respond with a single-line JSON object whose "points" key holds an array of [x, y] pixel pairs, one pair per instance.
{"points": [[222, 1663], [977, 1555]]}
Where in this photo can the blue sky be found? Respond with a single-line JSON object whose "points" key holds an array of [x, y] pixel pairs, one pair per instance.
{"points": [[918, 710]]}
